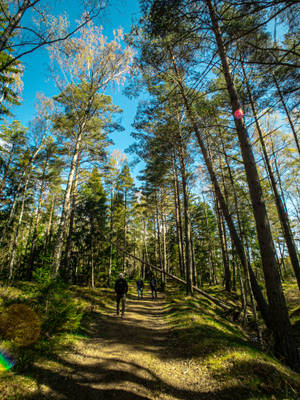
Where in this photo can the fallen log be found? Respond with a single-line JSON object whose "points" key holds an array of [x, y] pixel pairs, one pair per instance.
{"points": [[213, 299]]}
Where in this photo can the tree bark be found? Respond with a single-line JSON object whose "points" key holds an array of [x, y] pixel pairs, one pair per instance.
{"points": [[178, 220], [16, 233], [71, 224], [14, 22], [111, 226], [164, 240], [263, 306], [36, 224], [284, 341], [287, 113], [50, 223], [221, 231], [187, 225], [216, 301], [3, 180], [158, 234], [65, 215], [283, 217], [26, 171], [125, 228]]}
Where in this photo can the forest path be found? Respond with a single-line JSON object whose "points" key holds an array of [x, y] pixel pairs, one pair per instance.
{"points": [[134, 358]]}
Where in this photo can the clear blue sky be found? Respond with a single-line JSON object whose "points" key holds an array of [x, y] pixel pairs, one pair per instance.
{"points": [[119, 13]]}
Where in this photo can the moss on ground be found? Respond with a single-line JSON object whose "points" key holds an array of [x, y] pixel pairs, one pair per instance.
{"points": [[223, 347]]}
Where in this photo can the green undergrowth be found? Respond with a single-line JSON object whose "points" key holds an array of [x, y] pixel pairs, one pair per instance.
{"points": [[64, 314], [200, 332], [292, 295]]}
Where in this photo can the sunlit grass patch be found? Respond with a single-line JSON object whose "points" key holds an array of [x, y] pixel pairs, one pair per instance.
{"points": [[48, 350], [291, 292], [201, 320], [295, 314], [222, 347], [13, 387], [254, 370], [75, 318]]}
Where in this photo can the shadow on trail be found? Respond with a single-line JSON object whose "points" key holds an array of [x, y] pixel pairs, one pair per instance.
{"points": [[142, 330], [105, 375], [78, 387]]}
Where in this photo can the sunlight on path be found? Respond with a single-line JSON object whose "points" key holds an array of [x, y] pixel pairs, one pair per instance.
{"points": [[133, 358]]}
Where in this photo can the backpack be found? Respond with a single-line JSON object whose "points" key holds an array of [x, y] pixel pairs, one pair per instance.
{"points": [[153, 282], [140, 284], [121, 286]]}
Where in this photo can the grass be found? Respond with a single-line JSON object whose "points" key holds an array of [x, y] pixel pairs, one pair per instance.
{"points": [[199, 335], [17, 381], [292, 294], [223, 348]]}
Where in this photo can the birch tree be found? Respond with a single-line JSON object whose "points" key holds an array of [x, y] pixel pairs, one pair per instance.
{"points": [[88, 64]]}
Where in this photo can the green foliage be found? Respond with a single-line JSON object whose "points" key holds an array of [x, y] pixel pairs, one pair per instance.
{"points": [[10, 71], [199, 329], [24, 358], [58, 310]]}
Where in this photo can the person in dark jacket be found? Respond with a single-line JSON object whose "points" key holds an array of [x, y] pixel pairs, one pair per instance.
{"points": [[153, 286], [121, 289], [140, 286]]}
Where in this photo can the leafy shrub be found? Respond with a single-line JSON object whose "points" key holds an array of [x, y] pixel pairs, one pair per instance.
{"points": [[24, 358], [57, 308]]}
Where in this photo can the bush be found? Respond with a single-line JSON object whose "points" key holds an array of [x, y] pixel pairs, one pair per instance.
{"points": [[57, 308]]}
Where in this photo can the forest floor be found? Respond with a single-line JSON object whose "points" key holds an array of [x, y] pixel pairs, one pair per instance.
{"points": [[165, 349], [130, 358]]}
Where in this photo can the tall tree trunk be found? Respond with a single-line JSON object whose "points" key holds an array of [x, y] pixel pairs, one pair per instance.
{"points": [[71, 224], [155, 242], [178, 220], [24, 261], [211, 263], [283, 217], [158, 234], [16, 233], [164, 239], [194, 267], [227, 269], [36, 224], [92, 263], [221, 231], [12, 210], [243, 291], [125, 230], [26, 172], [187, 224], [287, 113], [263, 306], [3, 180], [50, 223], [65, 215], [145, 241], [226, 265], [111, 228], [284, 341]]}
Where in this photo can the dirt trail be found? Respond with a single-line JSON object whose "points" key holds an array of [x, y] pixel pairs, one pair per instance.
{"points": [[135, 358]]}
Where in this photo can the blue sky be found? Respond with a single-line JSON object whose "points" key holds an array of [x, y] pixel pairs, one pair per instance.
{"points": [[36, 78]]}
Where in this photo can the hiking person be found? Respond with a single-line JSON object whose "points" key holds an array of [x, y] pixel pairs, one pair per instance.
{"points": [[153, 286], [121, 289], [140, 287]]}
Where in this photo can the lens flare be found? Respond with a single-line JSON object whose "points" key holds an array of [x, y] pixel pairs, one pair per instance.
{"points": [[20, 324], [6, 362]]}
